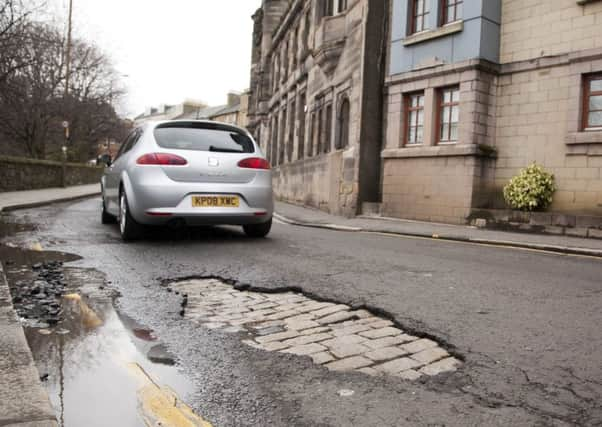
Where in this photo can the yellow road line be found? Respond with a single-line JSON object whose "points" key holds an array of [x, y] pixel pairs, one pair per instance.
{"points": [[160, 406]]}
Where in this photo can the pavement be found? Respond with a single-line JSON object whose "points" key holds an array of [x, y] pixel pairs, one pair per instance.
{"points": [[525, 324], [307, 217], [23, 400], [28, 199]]}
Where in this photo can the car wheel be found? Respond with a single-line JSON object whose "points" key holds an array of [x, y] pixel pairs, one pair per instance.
{"points": [[128, 227], [106, 217], [258, 230]]}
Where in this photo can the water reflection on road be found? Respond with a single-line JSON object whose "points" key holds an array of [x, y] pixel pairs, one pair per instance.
{"points": [[88, 360]]}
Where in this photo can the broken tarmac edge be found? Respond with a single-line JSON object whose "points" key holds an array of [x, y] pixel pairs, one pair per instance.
{"points": [[23, 400], [563, 250]]}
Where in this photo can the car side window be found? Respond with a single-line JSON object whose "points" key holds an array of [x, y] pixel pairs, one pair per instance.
{"points": [[134, 140], [129, 142], [123, 149]]}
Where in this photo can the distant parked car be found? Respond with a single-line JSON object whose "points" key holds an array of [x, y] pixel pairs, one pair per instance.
{"points": [[186, 173]]}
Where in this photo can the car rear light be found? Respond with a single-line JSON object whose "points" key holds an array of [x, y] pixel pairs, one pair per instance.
{"points": [[254, 163], [163, 159]]}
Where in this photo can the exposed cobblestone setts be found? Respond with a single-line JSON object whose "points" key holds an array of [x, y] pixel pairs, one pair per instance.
{"points": [[333, 335]]}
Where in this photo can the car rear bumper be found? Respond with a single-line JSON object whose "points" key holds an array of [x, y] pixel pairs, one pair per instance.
{"points": [[154, 199]]}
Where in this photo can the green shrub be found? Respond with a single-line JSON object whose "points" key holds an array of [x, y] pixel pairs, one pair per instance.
{"points": [[531, 190]]}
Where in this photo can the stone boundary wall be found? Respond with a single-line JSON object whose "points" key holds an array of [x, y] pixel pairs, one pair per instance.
{"points": [[18, 174]]}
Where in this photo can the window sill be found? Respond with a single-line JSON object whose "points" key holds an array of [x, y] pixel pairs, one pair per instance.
{"points": [[584, 2], [441, 150], [454, 27], [593, 136]]}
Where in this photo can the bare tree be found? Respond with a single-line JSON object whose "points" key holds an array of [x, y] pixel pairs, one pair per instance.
{"points": [[32, 101]]}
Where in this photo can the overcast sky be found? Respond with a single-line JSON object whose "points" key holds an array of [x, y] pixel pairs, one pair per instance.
{"points": [[170, 50]]}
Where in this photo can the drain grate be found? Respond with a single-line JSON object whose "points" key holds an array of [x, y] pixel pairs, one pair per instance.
{"points": [[333, 335]]}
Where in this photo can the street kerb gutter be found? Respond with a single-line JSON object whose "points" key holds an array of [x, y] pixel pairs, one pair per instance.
{"points": [[48, 202], [23, 399], [564, 250], [335, 227]]}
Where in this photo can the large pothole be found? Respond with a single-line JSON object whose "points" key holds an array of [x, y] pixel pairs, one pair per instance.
{"points": [[333, 335]]}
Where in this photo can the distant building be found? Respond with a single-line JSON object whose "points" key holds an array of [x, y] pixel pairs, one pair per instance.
{"points": [[168, 112]]}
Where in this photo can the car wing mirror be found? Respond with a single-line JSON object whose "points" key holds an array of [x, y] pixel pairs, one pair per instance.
{"points": [[106, 159]]}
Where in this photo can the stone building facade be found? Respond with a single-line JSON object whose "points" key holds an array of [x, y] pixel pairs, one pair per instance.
{"points": [[478, 89], [316, 99]]}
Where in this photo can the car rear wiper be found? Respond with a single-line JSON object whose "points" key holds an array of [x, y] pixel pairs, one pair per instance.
{"points": [[223, 150]]}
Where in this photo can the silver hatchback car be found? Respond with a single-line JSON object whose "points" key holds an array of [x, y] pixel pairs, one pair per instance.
{"points": [[181, 173]]}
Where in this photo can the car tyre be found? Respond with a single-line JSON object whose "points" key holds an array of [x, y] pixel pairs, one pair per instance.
{"points": [[106, 217], [128, 227], [258, 230]]}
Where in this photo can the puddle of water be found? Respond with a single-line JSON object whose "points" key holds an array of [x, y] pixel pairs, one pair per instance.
{"points": [[91, 361], [90, 379]]}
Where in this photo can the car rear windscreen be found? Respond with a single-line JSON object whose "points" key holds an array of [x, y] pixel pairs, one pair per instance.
{"points": [[199, 138]]}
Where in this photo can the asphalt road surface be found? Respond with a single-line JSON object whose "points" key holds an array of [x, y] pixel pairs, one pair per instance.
{"points": [[527, 324]]}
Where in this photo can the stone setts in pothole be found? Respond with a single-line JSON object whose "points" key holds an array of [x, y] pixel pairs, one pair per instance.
{"points": [[332, 334]]}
